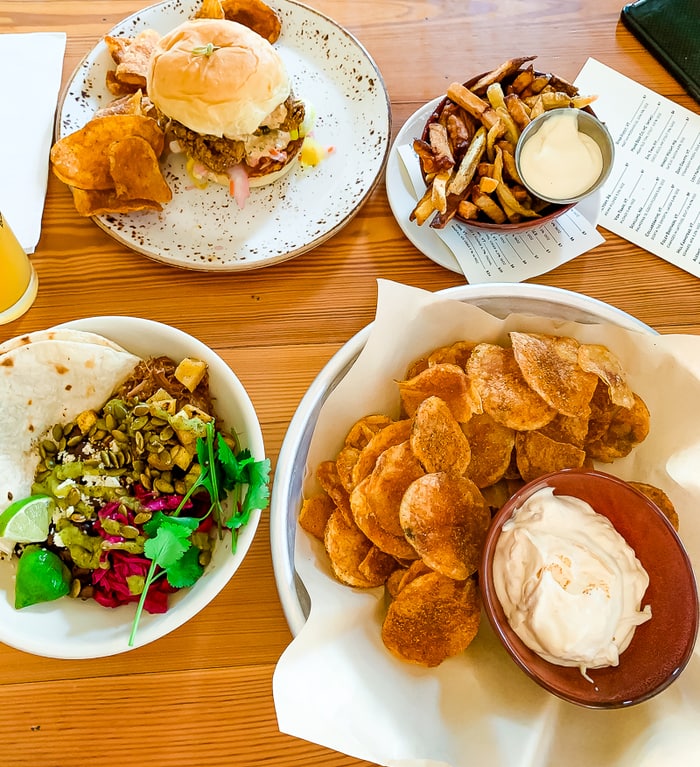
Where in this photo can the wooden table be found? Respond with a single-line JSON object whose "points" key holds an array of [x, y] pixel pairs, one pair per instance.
{"points": [[202, 695]]}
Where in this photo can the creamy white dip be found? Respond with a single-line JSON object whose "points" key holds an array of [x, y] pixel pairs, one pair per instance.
{"points": [[558, 161], [570, 585]]}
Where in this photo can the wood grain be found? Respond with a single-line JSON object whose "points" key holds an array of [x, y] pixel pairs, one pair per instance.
{"points": [[203, 695]]}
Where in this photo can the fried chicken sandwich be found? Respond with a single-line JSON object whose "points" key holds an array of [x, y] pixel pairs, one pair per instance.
{"points": [[223, 95]]}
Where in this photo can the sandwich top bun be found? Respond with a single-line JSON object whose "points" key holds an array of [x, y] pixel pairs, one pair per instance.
{"points": [[216, 77]]}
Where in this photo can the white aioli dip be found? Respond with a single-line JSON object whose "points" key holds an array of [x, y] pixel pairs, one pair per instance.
{"points": [[570, 585], [558, 161]]}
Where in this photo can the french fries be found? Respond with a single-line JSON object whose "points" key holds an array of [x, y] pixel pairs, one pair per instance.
{"points": [[467, 157]]}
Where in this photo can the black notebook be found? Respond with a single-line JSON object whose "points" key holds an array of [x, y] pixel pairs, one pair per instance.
{"points": [[669, 29]]}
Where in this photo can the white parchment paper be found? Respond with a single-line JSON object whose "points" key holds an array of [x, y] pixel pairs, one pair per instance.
{"points": [[336, 684]]}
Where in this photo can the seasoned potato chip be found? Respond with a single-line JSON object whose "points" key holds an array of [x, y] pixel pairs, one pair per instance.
{"points": [[550, 366], [504, 393], [132, 55], [497, 494], [80, 159], [416, 568], [566, 428], [432, 618], [394, 471], [261, 18], [97, 202], [329, 479], [344, 464], [393, 581], [364, 517], [362, 431], [377, 566], [457, 353], [598, 359], [618, 431], [347, 547], [537, 455], [116, 87], [602, 411], [315, 513], [658, 496], [445, 519], [417, 366], [210, 9], [437, 439], [135, 171], [130, 104], [491, 449], [444, 380], [393, 434]]}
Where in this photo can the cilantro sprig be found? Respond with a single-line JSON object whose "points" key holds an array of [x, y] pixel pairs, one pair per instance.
{"points": [[222, 473]]}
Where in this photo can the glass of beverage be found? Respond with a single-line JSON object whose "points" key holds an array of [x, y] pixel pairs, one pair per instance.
{"points": [[18, 280]]}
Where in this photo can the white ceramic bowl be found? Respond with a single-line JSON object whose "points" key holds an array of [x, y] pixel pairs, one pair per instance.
{"points": [[69, 628], [497, 299]]}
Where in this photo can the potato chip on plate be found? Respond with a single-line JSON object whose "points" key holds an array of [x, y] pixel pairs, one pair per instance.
{"points": [[537, 455], [445, 519], [366, 520], [81, 159], [505, 394], [134, 168], [550, 366], [431, 619], [394, 471], [444, 380], [347, 547], [491, 446], [437, 439]]}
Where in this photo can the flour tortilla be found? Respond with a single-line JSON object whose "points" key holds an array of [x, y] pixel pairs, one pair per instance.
{"points": [[58, 334], [46, 378]]}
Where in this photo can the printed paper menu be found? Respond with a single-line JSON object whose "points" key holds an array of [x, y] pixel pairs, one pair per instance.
{"points": [[491, 257], [652, 197]]}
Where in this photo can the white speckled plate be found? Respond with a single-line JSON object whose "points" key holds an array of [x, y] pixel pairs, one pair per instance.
{"points": [[204, 229]]}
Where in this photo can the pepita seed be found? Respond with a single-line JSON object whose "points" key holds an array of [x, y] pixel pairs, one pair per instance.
{"points": [[129, 531], [204, 557], [163, 486], [57, 431], [138, 423]]}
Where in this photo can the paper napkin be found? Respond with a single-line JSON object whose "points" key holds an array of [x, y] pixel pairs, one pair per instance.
{"points": [[30, 79]]}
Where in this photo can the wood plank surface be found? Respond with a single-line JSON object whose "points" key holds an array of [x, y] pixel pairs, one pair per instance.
{"points": [[203, 694]]}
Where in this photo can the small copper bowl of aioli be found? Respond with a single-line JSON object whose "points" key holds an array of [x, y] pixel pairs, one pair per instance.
{"points": [[660, 647], [555, 164]]}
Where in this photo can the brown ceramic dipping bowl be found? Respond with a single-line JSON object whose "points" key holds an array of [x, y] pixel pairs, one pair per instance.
{"points": [[661, 647], [549, 213]]}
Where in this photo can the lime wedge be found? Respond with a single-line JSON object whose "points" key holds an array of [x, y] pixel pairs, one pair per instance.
{"points": [[27, 520], [41, 577]]}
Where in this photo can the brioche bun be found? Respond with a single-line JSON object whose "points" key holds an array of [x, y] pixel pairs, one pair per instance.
{"points": [[216, 77]]}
